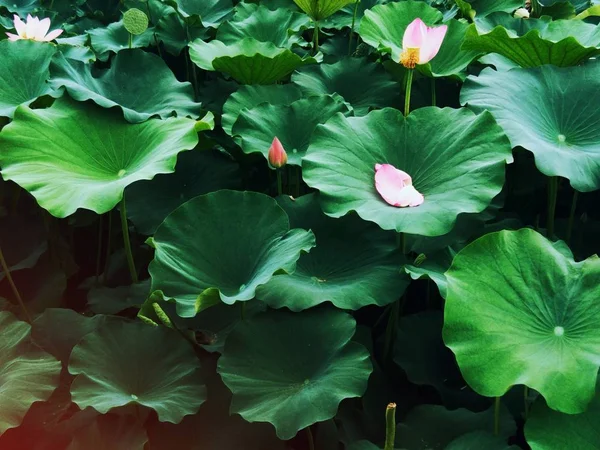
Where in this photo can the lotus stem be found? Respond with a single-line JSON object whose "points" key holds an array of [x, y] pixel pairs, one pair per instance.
{"points": [[108, 245], [572, 216], [310, 438], [193, 80], [433, 94], [552, 193], [298, 178], [316, 38], [127, 242], [243, 310], [497, 416], [390, 426], [409, 80], [130, 40], [279, 183], [391, 330], [13, 286], [526, 401], [536, 8], [99, 251], [352, 27]]}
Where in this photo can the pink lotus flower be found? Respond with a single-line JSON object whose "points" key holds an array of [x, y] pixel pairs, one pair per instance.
{"points": [[421, 43], [395, 186], [35, 30], [277, 155]]}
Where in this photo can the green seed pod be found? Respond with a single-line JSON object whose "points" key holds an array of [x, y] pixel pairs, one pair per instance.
{"points": [[135, 21]]}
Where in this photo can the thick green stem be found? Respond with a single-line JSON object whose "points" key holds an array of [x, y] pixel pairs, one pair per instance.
{"points": [[352, 27], [552, 193], [127, 242], [130, 40], [497, 416], [108, 246], [391, 330], [316, 38], [433, 94], [572, 216], [409, 80], [390, 426], [310, 439], [279, 182], [298, 178], [13, 286], [99, 251]]}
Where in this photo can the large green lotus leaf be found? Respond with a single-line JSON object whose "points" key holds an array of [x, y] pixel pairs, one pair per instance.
{"points": [[293, 124], [126, 84], [110, 432], [363, 84], [247, 97], [20, 7], [383, 28], [114, 38], [124, 363], [482, 8], [175, 33], [355, 264], [113, 300], [210, 12], [75, 155], [541, 110], [27, 373], [519, 310], [421, 353], [321, 9], [197, 172], [456, 160], [477, 440], [225, 243], [24, 71], [279, 27], [343, 18], [248, 61], [534, 42], [293, 369], [547, 429], [433, 426]]}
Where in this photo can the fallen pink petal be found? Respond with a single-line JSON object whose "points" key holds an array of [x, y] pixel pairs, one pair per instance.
{"points": [[420, 43], [34, 29], [395, 187]]}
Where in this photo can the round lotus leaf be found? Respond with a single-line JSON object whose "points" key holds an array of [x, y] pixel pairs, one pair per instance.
{"points": [[223, 244], [135, 21], [482, 8], [279, 27], [24, 70], [197, 172], [534, 42], [115, 37], [247, 97], [127, 85], [75, 155], [541, 110], [248, 61], [293, 369], [354, 264], [477, 440], [293, 124], [547, 429], [21, 7], [321, 9], [520, 310], [363, 84], [211, 13], [27, 374], [113, 300], [456, 160], [124, 363], [383, 28]]}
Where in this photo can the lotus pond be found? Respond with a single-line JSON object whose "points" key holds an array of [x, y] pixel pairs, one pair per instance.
{"points": [[299, 224]]}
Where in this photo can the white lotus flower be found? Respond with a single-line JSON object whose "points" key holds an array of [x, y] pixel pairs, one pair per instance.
{"points": [[35, 30]]}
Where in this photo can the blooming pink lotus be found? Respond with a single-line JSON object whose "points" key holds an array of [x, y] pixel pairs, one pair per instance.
{"points": [[421, 43], [277, 155], [35, 29], [395, 186]]}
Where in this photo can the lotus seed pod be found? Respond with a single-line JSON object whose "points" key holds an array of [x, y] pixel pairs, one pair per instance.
{"points": [[135, 21]]}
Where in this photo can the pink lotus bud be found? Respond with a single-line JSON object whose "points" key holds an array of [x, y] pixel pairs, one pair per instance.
{"points": [[395, 186], [421, 43], [277, 155]]}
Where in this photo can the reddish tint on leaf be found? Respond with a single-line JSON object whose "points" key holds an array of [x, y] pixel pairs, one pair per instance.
{"points": [[395, 186], [277, 154]]}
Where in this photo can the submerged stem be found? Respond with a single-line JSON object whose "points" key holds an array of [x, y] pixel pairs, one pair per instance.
{"points": [[572, 216], [99, 251], [552, 193], [13, 286], [391, 330], [497, 416], [127, 242], [310, 438], [352, 27], [279, 183], [433, 93], [390, 426], [409, 80]]}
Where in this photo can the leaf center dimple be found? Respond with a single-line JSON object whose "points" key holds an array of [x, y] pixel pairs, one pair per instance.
{"points": [[559, 331], [121, 173]]}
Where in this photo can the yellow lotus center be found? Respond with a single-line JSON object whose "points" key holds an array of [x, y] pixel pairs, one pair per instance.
{"points": [[409, 57]]}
